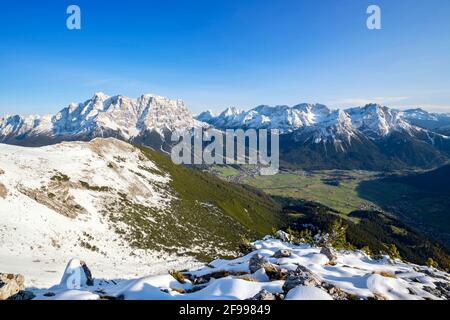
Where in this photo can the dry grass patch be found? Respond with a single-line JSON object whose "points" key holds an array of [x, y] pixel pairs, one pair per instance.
{"points": [[386, 274], [177, 275], [247, 278], [3, 191]]}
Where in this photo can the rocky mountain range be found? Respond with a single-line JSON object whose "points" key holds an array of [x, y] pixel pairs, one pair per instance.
{"points": [[147, 120], [313, 136], [371, 137]]}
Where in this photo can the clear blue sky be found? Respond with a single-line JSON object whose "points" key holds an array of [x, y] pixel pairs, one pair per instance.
{"points": [[220, 53]]}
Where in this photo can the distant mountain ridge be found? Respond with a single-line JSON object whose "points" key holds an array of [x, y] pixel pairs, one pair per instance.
{"points": [[313, 136], [372, 137]]}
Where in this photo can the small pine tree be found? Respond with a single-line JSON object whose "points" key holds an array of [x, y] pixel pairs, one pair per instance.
{"points": [[303, 236], [431, 263], [178, 276], [367, 250], [338, 234], [293, 235], [393, 252], [245, 245], [274, 233], [306, 236]]}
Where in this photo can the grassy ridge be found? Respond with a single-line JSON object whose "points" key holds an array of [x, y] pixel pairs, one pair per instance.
{"points": [[207, 212], [247, 205]]}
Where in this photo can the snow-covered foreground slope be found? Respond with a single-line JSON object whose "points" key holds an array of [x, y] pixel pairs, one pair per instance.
{"points": [[274, 270], [52, 207], [129, 211]]}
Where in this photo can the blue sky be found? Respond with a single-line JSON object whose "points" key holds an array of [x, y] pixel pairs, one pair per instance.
{"points": [[215, 54]]}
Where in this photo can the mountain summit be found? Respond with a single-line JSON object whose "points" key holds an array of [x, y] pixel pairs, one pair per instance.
{"points": [[147, 120]]}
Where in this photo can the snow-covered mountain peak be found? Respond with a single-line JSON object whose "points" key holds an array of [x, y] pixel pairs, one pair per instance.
{"points": [[281, 117], [418, 113], [378, 121], [230, 112], [102, 116], [205, 116], [100, 96]]}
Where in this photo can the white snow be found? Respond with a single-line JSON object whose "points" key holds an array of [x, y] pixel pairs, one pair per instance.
{"points": [[307, 293], [354, 273]]}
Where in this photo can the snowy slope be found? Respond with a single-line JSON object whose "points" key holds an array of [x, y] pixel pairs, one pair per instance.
{"points": [[129, 210], [52, 207], [308, 275]]}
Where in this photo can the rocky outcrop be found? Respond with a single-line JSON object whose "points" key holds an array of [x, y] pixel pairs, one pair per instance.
{"points": [[257, 262], [264, 295], [59, 200], [302, 276], [283, 253], [441, 289], [330, 254], [23, 295], [10, 284], [336, 293]]}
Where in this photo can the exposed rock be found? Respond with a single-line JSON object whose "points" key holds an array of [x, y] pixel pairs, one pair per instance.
{"points": [[264, 295], [88, 273], [256, 262], [64, 203], [283, 253], [434, 274], [195, 289], [283, 236], [207, 277], [10, 284], [337, 293], [442, 290], [23, 295], [1, 172], [330, 254], [49, 294], [275, 272], [377, 296], [301, 276], [279, 296], [3, 191]]}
